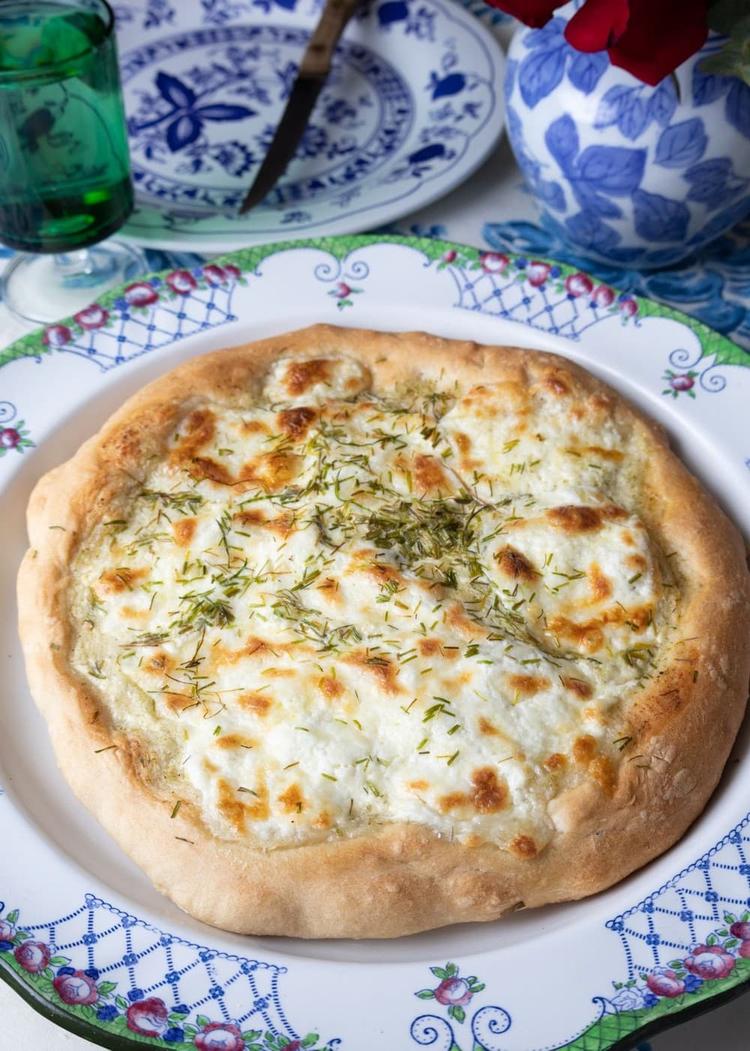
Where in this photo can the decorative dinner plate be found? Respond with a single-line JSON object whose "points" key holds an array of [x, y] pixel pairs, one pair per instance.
{"points": [[412, 107], [83, 934]]}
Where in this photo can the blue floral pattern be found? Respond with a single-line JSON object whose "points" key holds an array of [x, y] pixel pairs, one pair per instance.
{"points": [[632, 174]]}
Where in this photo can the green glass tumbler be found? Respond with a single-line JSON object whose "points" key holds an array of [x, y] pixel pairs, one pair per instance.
{"points": [[65, 182]]}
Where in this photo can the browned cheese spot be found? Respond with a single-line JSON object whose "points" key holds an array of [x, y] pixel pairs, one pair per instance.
{"points": [[236, 811], [198, 430], [302, 375], [590, 635], [636, 562], [528, 685], [178, 702], [456, 617], [429, 474], [229, 742], [250, 427], [599, 583], [488, 796], [133, 614], [257, 703], [330, 687], [584, 749], [121, 579], [514, 565], [419, 786], [295, 423], [555, 762], [159, 663], [573, 519], [579, 687], [292, 799], [330, 588], [184, 530], [382, 669], [523, 847], [323, 820], [601, 771], [271, 470], [251, 517], [203, 468]]}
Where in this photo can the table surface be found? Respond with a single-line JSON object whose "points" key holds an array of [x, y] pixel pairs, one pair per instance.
{"points": [[493, 210]]}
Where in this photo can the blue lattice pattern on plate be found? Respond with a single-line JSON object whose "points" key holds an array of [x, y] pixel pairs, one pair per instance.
{"points": [[675, 918], [192, 978], [536, 293], [149, 315]]}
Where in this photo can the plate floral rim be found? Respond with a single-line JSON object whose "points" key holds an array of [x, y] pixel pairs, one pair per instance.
{"points": [[672, 994]]}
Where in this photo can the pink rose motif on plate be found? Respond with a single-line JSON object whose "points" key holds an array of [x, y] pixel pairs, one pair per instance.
{"points": [[9, 439], [603, 296], [148, 1017], [57, 336], [537, 273], [182, 282], [32, 956], [740, 929], [453, 992], [450, 256], [214, 275], [7, 930], [76, 988], [92, 317], [493, 262], [233, 272], [709, 962], [140, 294], [628, 306], [664, 982], [744, 950], [221, 1036], [578, 285]]}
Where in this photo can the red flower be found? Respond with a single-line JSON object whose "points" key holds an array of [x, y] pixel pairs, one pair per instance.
{"points": [[76, 988], [140, 294], [493, 262], [665, 983], [232, 271], [744, 950], [148, 1017], [709, 961], [628, 307], [9, 439], [603, 296], [534, 13], [740, 930], [181, 281], [342, 290], [32, 956], [57, 336], [7, 930], [450, 255], [537, 273], [649, 39], [92, 317], [220, 1036], [453, 992], [578, 284], [215, 275]]}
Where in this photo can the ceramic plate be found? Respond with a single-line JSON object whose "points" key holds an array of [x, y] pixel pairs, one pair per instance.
{"points": [[85, 936], [412, 107]]}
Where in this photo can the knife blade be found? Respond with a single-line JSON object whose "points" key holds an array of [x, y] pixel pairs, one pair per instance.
{"points": [[311, 76]]}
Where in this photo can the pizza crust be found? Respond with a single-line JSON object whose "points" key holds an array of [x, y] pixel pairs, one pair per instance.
{"points": [[682, 723]]}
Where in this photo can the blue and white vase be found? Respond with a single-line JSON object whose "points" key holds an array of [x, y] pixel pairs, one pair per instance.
{"points": [[624, 172]]}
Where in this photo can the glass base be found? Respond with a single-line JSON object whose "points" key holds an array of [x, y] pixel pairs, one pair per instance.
{"points": [[45, 288]]}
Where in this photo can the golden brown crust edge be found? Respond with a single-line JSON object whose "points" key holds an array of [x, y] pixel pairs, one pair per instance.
{"points": [[683, 724]]}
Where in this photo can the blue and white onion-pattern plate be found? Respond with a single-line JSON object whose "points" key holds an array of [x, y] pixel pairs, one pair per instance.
{"points": [[83, 934], [412, 107]]}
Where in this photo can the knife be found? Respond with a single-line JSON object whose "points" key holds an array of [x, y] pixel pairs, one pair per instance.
{"points": [[311, 76]]}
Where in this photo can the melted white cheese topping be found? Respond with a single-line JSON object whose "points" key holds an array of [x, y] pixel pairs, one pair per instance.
{"points": [[333, 610]]}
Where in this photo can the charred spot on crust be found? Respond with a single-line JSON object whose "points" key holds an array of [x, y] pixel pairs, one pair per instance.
{"points": [[295, 423], [584, 749], [515, 565]]}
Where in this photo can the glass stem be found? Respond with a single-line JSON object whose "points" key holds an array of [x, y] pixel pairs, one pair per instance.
{"points": [[73, 267]]}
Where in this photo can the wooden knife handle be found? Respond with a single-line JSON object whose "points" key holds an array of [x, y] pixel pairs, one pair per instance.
{"points": [[316, 62]]}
